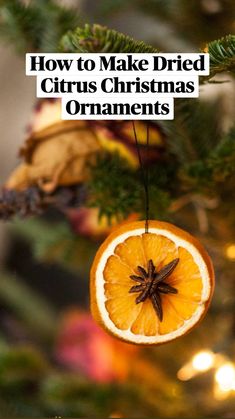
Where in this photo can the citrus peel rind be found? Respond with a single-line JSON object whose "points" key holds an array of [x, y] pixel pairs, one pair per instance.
{"points": [[114, 308]]}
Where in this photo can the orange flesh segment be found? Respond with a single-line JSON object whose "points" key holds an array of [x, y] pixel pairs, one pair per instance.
{"points": [[131, 252], [141, 318], [158, 248], [116, 271], [123, 310], [142, 325]]}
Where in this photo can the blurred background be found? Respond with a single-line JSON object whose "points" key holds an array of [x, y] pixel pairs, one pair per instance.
{"points": [[54, 360]]}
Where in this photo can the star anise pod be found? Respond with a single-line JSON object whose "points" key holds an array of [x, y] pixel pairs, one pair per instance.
{"points": [[152, 284]]}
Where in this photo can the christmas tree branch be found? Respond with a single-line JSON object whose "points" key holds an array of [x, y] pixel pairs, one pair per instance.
{"points": [[190, 137], [215, 169], [222, 55], [97, 38], [117, 190], [35, 26], [29, 28]]}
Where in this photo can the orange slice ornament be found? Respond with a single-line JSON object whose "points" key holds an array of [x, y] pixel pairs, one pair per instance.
{"points": [[150, 288]]}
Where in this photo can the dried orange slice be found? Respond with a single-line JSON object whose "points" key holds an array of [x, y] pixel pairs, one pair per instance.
{"points": [[150, 288]]}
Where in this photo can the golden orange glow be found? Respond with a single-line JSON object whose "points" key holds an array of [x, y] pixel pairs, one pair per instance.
{"points": [[230, 251]]}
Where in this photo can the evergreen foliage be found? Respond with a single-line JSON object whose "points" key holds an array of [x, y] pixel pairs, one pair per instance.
{"points": [[35, 26], [117, 190], [216, 168], [222, 55], [96, 38], [190, 139]]}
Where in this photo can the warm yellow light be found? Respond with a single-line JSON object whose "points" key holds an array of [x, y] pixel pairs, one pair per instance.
{"points": [[225, 377], [186, 372], [203, 361], [230, 251]]}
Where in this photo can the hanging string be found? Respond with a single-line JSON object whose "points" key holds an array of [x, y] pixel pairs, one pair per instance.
{"points": [[144, 173]]}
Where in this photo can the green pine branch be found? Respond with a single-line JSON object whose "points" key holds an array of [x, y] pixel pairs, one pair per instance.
{"points": [[214, 171], [190, 137], [206, 165], [222, 55], [117, 190], [97, 38], [113, 187], [36, 26], [39, 25]]}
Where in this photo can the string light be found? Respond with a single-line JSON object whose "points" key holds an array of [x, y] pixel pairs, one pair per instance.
{"points": [[224, 381], [225, 377], [230, 251], [201, 362]]}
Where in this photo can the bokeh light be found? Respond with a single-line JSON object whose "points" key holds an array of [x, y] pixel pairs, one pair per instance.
{"points": [[203, 360], [225, 377], [230, 251]]}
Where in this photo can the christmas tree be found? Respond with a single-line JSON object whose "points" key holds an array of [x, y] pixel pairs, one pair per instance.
{"points": [[78, 180]]}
